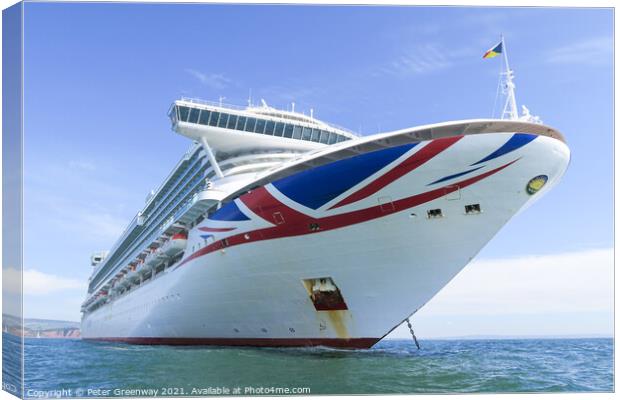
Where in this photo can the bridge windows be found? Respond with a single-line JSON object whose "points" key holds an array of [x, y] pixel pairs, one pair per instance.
{"points": [[260, 126], [214, 117], [223, 120], [269, 127], [232, 122], [324, 137], [204, 117], [288, 131], [332, 138], [193, 115], [249, 126], [183, 113], [254, 125], [315, 135], [306, 133], [241, 123], [279, 129]]}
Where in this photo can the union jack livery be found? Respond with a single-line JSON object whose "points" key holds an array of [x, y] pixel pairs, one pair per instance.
{"points": [[278, 229]]}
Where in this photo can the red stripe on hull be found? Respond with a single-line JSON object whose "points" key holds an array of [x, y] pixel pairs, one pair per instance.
{"points": [[420, 157], [353, 343], [207, 229], [294, 223]]}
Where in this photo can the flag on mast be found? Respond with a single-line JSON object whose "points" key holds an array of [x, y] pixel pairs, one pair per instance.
{"points": [[494, 51]]}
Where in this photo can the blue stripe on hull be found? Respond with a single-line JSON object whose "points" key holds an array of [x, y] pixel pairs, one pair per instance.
{"points": [[447, 178], [517, 140], [229, 212], [317, 186]]}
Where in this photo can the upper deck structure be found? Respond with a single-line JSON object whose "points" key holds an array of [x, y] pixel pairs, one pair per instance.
{"points": [[231, 144]]}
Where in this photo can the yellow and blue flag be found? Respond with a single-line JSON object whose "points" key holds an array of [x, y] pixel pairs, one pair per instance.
{"points": [[495, 51]]}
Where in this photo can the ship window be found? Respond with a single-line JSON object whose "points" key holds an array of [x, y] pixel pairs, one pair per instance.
{"points": [[279, 129], [183, 113], [232, 121], [240, 123], [297, 132], [193, 115], [341, 138], [436, 213], [223, 120], [288, 131], [249, 127], [324, 137], [472, 209], [260, 126], [307, 132], [269, 127], [214, 117], [204, 117], [315, 135], [174, 114], [332, 138]]}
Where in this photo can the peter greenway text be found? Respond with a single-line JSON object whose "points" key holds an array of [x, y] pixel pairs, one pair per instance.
{"points": [[168, 391]]}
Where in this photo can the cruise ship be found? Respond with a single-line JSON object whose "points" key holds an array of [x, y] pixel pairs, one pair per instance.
{"points": [[278, 229]]}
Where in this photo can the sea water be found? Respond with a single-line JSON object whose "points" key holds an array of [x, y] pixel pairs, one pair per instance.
{"points": [[76, 368]]}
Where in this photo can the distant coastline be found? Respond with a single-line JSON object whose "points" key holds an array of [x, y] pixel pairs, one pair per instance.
{"points": [[40, 328]]}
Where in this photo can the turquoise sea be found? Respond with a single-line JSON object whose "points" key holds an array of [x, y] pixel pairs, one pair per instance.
{"points": [[77, 368]]}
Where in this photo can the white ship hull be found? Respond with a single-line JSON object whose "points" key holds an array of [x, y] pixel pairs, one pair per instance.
{"points": [[386, 256]]}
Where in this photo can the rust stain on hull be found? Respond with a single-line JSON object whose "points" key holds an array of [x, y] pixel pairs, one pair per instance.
{"points": [[338, 320]]}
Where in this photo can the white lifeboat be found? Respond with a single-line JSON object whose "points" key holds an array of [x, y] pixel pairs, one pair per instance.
{"points": [[175, 245], [100, 298], [160, 255], [122, 281], [151, 260], [145, 268], [132, 275]]}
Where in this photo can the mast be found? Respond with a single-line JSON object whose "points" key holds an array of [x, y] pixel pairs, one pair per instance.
{"points": [[510, 106]]}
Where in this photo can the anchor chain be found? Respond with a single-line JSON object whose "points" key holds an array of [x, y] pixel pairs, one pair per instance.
{"points": [[413, 334]]}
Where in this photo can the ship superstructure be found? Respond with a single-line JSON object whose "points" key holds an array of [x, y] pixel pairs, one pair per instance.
{"points": [[278, 229], [248, 141]]}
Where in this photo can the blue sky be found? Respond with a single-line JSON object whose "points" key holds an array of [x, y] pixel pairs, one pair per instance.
{"points": [[99, 79]]}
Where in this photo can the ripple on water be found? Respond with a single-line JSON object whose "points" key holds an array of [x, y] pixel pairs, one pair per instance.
{"points": [[390, 367]]}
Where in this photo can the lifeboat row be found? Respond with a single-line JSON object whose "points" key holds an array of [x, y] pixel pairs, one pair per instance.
{"points": [[100, 298], [156, 256]]}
